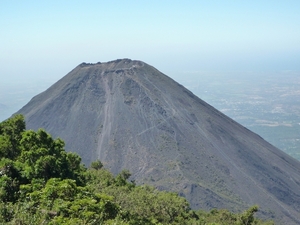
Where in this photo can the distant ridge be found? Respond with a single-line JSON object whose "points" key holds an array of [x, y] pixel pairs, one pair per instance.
{"points": [[131, 116]]}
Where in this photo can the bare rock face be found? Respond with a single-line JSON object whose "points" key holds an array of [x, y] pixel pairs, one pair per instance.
{"points": [[131, 116]]}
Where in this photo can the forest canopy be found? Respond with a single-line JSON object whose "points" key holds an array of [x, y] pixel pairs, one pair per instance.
{"points": [[41, 183]]}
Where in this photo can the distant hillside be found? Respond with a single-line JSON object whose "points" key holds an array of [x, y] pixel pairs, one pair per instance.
{"points": [[130, 116]]}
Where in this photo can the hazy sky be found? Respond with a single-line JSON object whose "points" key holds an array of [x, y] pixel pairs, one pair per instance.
{"points": [[49, 38], [43, 40]]}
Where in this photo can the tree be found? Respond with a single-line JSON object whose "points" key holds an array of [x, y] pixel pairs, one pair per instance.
{"points": [[43, 157], [247, 217], [10, 136], [28, 156], [97, 165]]}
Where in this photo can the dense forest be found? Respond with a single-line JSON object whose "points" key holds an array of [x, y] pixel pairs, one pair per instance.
{"points": [[41, 183]]}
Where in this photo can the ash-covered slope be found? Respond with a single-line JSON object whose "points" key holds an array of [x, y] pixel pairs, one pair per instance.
{"points": [[130, 116]]}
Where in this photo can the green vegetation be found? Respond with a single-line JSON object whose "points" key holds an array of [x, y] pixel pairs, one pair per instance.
{"points": [[40, 183]]}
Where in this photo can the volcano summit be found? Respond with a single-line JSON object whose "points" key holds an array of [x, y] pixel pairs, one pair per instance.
{"points": [[131, 116]]}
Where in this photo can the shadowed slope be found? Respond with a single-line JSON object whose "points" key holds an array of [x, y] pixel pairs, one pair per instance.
{"points": [[130, 116]]}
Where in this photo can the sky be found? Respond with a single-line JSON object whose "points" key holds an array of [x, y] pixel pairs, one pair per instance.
{"points": [[43, 40]]}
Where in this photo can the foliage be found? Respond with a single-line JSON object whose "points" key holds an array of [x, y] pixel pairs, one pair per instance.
{"points": [[97, 165], [225, 217], [40, 183], [10, 136]]}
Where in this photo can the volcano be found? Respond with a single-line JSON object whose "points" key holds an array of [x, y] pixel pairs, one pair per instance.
{"points": [[131, 116]]}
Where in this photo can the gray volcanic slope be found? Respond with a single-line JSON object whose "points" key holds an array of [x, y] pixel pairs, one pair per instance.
{"points": [[130, 116]]}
